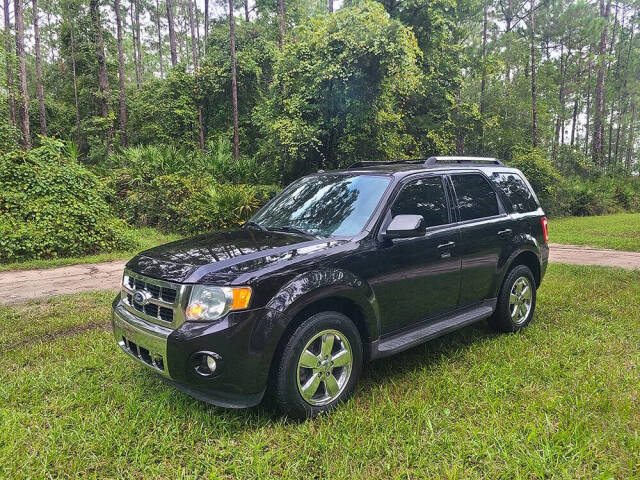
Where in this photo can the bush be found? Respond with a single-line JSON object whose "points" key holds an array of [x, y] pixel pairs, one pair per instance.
{"points": [[136, 166], [542, 175], [192, 204], [51, 206]]}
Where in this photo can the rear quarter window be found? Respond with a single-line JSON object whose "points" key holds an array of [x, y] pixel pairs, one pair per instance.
{"points": [[517, 192]]}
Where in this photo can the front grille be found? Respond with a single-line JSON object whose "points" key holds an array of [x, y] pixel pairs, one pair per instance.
{"points": [[160, 304], [166, 294], [155, 360]]}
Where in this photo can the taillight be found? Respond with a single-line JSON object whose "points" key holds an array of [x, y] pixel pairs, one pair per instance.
{"points": [[545, 229]]}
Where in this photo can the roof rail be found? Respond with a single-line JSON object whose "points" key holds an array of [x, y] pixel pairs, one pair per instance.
{"points": [[367, 163], [431, 161], [463, 160]]}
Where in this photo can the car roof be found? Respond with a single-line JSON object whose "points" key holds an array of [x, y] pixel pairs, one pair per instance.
{"points": [[402, 168]]}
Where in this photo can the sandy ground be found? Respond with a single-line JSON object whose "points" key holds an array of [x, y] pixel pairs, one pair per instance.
{"points": [[22, 285]]}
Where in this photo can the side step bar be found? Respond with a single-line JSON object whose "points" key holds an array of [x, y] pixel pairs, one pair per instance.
{"points": [[424, 332]]}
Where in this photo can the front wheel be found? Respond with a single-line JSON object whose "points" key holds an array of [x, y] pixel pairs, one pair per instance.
{"points": [[319, 366], [516, 302]]}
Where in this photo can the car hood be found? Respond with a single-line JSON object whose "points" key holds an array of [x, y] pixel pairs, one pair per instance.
{"points": [[224, 255]]}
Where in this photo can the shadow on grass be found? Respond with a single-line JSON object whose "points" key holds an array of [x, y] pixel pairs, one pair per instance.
{"points": [[380, 372]]}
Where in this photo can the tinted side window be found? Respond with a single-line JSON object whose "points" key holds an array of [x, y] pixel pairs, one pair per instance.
{"points": [[514, 188], [423, 197], [476, 198]]}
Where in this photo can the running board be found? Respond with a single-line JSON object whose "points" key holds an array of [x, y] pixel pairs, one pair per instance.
{"points": [[422, 333]]}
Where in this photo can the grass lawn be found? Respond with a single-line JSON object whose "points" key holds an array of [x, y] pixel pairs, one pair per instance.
{"points": [[144, 237], [619, 232], [559, 400]]}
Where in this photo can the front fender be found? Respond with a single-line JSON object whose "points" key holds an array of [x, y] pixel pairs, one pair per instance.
{"points": [[315, 285]]}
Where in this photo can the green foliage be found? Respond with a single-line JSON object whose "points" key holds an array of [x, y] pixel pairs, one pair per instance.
{"points": [[338, 91], [135, 167], [542, 175], [192, 204], [52, 206]]}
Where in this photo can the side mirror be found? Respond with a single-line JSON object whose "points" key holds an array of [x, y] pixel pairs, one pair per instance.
{"points": [[405, 226]]}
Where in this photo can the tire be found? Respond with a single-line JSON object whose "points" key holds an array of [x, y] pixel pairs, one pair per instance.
{"points": [[325, 383], [513, 313]]}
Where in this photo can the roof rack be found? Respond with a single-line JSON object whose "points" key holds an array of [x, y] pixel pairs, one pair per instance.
{"points": [[367, 163], [433, 161], [463, 160]]}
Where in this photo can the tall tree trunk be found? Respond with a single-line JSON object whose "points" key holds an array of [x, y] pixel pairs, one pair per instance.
{"points": [[159, 29], [560, 116], [192, 28], [330, 6], [246, 10], [194, 55], [588, 113], [134, 43], [631, 139], [534, 102], [139, 43], [598, 125], [197, 13], [8, 49], [103, 79], [123, 95], [36, 37], [574, 119], [23, 106], [234, 83], [282, 22], [483, 81], [206, 25], [75, 78], [172, 34]]}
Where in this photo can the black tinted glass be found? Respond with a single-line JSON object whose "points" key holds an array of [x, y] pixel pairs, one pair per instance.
{"points": [[325, 205], [516, 191], [476, 198], [423, 197]]}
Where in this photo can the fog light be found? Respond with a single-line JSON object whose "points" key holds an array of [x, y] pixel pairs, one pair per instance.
{"points": [[211, 363], [205, 363]]}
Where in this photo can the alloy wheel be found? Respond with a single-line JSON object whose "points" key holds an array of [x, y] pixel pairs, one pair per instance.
{"points": [[324, 367]]}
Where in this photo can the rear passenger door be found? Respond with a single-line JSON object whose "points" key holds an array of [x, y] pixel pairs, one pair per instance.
{"points": [[485, 236]]}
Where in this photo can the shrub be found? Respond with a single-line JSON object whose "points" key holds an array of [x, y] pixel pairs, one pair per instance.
{"points": [[542, 175], [52, 206], [135, 166], [192, 204]]}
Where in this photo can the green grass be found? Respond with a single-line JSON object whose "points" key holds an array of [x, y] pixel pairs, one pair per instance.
{"points": [[619, 232], [559, 400], [144, 238]]}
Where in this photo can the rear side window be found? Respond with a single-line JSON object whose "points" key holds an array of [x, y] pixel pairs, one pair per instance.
{"points": [[423, 197], [476, 198], [516, 191]]}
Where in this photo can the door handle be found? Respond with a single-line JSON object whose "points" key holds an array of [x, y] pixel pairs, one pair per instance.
{"points": [[505, 232], [447, 245]]}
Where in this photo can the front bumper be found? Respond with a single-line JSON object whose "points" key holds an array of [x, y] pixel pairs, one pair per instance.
{"points": [[245, 342]]}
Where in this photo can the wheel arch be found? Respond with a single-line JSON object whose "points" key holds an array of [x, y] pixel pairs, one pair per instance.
{"points": [[527, 258]]}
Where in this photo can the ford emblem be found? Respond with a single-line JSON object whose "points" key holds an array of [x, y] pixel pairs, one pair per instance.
{"points": [[141, 297]]}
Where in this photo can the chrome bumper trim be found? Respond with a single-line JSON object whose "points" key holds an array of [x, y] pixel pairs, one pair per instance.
{"points": [[145, 335]]}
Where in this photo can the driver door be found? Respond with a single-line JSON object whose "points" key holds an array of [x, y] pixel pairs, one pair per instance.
{"points": [[419, 278]]}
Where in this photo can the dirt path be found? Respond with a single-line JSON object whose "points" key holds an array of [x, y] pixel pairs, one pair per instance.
{"points": [[578, 255], [21, 285]]}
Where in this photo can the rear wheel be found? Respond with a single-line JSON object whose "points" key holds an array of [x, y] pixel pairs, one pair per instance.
{"points": [[517, 300], [319, 366]]}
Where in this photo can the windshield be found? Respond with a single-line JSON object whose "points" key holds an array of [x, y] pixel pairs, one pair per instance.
{"points": [[324, 205]]}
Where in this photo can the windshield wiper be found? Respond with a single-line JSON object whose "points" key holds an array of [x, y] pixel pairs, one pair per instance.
{"points": [[292, 229], [251, 223]]}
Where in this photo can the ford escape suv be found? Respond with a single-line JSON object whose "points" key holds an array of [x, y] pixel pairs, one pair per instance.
{"points": [[340, 268]]}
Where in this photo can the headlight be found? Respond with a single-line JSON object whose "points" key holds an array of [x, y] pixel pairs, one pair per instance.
{"points": [[211, 303]]}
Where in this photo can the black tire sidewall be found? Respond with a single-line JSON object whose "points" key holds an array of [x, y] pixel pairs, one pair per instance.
{"points": [[286, 393], [502, 317]]}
